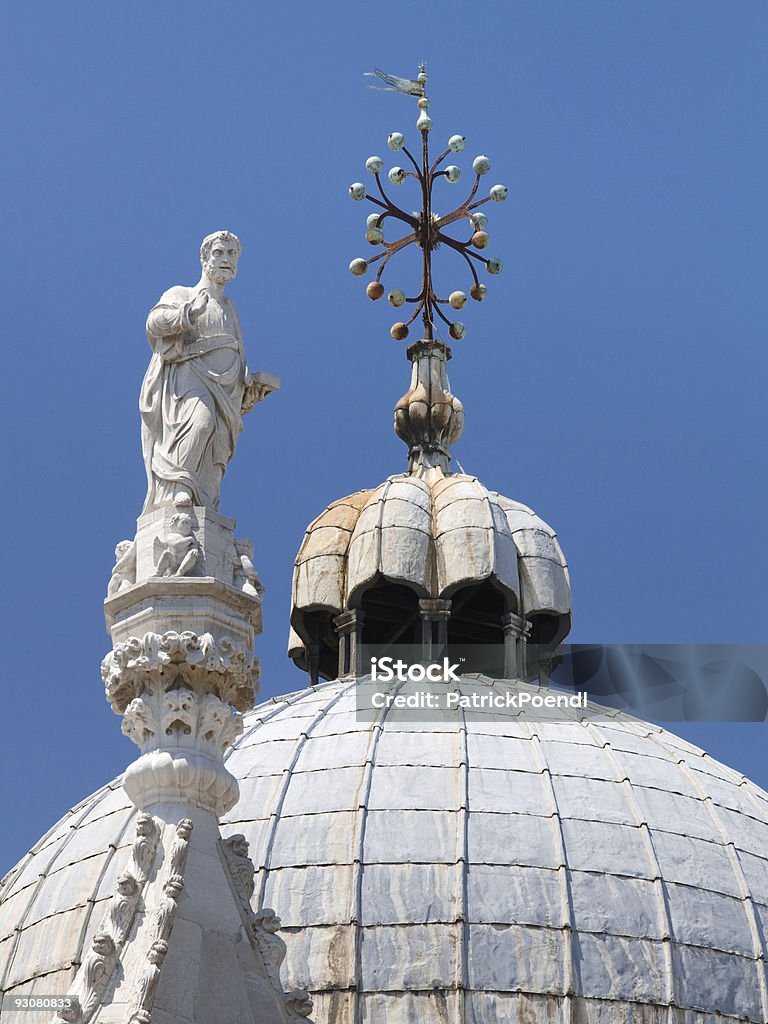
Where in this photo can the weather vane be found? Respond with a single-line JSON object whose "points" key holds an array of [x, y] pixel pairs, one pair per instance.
{"points": [[426, 227]]}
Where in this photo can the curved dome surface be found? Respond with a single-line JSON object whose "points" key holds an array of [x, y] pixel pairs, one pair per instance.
{"points": [[469, 870], [434, 534]]}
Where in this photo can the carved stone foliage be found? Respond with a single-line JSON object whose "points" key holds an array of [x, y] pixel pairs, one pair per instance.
{"points": [[101, 959], [203, 722], [161, 927], [222, 666], [299, 1005], [263, 926]]}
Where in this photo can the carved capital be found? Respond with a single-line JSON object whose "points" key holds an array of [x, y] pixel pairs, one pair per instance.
{"points": [[181, 717], [222, 666]]}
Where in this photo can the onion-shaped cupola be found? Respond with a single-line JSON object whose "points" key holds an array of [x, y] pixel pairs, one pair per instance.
{"points": [[428, 557]]}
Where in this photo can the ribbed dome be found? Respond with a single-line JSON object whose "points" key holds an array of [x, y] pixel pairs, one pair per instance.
{"points": [[469, 870], [434, 534]]}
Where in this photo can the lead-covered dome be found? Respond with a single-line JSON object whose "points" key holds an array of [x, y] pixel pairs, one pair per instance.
{"points": [[431, 537], [471, 869]]}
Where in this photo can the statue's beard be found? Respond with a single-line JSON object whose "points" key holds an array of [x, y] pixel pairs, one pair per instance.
{"points": [[220, 275]]}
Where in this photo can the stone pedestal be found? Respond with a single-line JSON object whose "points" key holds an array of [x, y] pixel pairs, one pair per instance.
{"points": [[183, 609]]}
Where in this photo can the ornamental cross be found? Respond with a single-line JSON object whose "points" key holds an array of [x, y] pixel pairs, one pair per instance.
{"points": [[426, 227]]}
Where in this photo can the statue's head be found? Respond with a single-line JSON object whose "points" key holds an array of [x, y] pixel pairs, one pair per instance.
{"points": [[127, 884], [219, 254], [157, 952], [182, 523], [103, 944], [244, 547], [123, 547], [145, 826]]}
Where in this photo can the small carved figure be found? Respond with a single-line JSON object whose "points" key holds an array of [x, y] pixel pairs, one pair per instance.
{"points": [[166, 911], [266, 924], [148, 981], [145, 844], [245, 576], [124, 569], [97, 969], [138, 722], [240, 868], [180, 551], [180, 848], [219, 724], [184, 829], [123, 905]]}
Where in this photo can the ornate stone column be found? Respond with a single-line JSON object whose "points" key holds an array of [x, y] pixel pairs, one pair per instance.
{"points": [[180, 942], [182, 671]]}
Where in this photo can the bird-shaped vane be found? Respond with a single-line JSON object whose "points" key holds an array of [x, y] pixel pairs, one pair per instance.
{"points": [[409, 86], [425, 228]]}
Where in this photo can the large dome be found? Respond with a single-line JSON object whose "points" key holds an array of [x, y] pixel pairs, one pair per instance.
{"points": [[470, 870]]}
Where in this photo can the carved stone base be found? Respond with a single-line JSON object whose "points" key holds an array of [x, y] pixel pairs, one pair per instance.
{"points": [[203, 605], [181, 776], [213, 532]]}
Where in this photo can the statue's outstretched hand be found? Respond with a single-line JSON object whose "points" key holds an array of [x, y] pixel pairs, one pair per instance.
{"points": [[199, 303]]}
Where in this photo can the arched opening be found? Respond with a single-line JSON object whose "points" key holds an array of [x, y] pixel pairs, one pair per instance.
{"points": [[475, 628], [391, 615]]}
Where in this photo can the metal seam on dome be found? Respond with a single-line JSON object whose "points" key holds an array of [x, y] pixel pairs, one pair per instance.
{"points": [[571, 965], [747, 784], [747, 899], [463, 863], [287, 773], [87, 807], [358, 862], [283, 704], [668, 940]]}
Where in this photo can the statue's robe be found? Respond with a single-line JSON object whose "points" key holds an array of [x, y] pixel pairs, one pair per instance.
{"points": [[191, 398]]}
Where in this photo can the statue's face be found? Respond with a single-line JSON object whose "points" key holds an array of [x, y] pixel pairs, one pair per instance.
{"points": [[221, 265]]}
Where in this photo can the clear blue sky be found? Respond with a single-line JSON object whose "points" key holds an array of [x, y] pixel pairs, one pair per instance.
{"points": [[614, 379]]}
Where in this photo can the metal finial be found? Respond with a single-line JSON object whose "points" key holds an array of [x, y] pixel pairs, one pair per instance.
{"points": [[427, 228]]}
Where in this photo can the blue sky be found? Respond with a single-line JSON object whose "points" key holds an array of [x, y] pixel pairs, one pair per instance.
{"points": [[614, 379]]}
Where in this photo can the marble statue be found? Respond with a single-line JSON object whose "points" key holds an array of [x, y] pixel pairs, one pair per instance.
{"points": [[197, 386]]}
